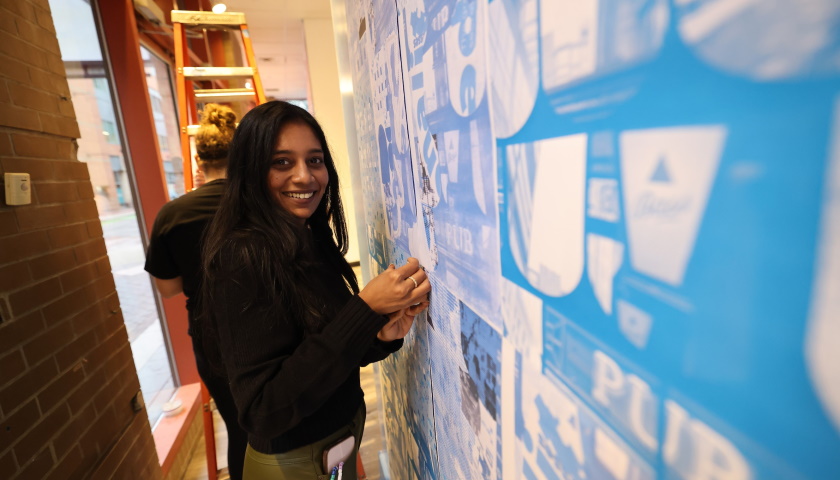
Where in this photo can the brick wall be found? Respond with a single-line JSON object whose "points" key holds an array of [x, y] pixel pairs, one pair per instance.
{"points": [[67, 375]]}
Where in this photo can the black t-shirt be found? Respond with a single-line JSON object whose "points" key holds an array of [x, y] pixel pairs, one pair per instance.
{"points": [[175, 244]]}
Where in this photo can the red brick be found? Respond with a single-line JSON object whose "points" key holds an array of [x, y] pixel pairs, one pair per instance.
{"points": [[38, 466], [102, 316], [110, 324], [74, 170], [29, 97], [38, 170], [22, 389], [104, 286], [69, 467], [48, 343], [8, 223], [66, 107], [56, 65], [69, 436], [103, 429], [31, 297], [37, 146], [79, 277], [103, 265], [90, 251], [22, 246], [36, 437], [87, 319], [14, 333], [45, 5], [11, 365], [60, 389], [5, 311], [7, 463], [94, 228], [49, 81], [34, 34], [4, 94], [54, 263], [14, 276], [58, 192], [5, 142], [16, 424], [7, 24], [44, 19], [16, 48], [69, 304], [21, 9], [19, 117], [80, 400], [80, 211], [76, 350], [14, 69], [67, 235], [85, 190], [106, 347], [59, 125], [36, 217]]}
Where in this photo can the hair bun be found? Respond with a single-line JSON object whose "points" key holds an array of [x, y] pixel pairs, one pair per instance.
{"points": [[218, 115]]}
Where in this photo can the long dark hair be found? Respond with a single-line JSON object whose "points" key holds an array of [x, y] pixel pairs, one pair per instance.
{"points": [[279, 253]]}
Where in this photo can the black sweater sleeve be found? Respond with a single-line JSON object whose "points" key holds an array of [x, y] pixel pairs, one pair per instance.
{"points": [[278, 375]]}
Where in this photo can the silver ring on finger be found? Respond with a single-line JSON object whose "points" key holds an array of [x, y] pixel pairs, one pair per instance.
{"points": [[413, 280]]}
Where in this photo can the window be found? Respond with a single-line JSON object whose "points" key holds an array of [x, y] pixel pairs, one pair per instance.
{"points": [[100, 146]]}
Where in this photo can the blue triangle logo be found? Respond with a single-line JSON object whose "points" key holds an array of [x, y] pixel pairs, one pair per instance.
{"points": [[661, 174]]}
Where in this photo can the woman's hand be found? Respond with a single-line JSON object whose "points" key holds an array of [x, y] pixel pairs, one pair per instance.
{"points": [[400, 323], [397, 288]]}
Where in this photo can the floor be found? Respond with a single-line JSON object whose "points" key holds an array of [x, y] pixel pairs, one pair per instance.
{"points": [[371, 442]]}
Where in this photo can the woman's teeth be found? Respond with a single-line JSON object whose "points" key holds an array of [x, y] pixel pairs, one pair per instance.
{"points": [[299, 195]]}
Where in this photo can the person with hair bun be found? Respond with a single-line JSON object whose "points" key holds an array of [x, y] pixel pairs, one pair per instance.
{"points": [[292, 324], [174, 258]]}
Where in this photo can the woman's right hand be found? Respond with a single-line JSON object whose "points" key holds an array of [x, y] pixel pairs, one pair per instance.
{"points": [[394, 289]]}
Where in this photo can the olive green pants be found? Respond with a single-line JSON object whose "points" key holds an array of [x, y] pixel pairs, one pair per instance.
{"points": [[304, 463]]}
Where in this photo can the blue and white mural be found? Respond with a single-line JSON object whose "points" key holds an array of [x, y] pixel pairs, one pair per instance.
{"points": [[630, 214]]}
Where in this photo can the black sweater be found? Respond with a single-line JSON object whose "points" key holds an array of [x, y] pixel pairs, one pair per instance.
{"points": [[291, 388]]}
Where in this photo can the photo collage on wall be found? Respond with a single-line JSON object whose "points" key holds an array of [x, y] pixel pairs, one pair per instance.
{"points": [[628, 211]]}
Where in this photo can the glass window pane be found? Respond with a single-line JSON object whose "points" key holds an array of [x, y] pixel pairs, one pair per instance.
{"points": [[159, 82], [101, 148]]}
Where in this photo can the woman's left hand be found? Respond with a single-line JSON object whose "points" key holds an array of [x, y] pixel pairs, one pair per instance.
{"points": [[400, 322]]}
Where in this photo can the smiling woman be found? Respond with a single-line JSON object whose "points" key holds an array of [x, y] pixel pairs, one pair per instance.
{"points": [[298, 175], [281, 305]]}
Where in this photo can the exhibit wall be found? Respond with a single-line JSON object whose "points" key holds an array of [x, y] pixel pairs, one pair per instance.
{"points": [[629, 211]]}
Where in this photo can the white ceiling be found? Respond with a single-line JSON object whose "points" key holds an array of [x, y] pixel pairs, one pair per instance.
{"points": [[276, 28]]}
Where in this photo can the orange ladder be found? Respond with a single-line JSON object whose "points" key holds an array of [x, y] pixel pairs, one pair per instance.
{"points": [[188, 95], [188, 99]]}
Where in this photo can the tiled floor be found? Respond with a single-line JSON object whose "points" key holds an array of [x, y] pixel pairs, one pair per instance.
{"points": [[371, 442]]}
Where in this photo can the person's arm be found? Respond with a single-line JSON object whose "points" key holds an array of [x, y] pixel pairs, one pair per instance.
{"points": [[278, 375], [169, 287]]}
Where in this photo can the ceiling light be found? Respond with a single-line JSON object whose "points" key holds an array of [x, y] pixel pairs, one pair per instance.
{"points": [[218, 6]]}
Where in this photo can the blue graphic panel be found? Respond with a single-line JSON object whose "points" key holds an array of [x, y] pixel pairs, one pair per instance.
{"points": [[465, 376], [628, 210], [443, 44]]}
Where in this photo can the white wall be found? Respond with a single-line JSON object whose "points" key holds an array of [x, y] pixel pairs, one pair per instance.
{"points": [[326, 106]]}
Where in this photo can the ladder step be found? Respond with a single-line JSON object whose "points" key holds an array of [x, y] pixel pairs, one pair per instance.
{"points": [[225, 94], [208, 19], [208, 73]]}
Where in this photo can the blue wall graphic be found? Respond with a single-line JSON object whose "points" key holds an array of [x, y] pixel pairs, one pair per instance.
{"points": [[630, 214]]}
